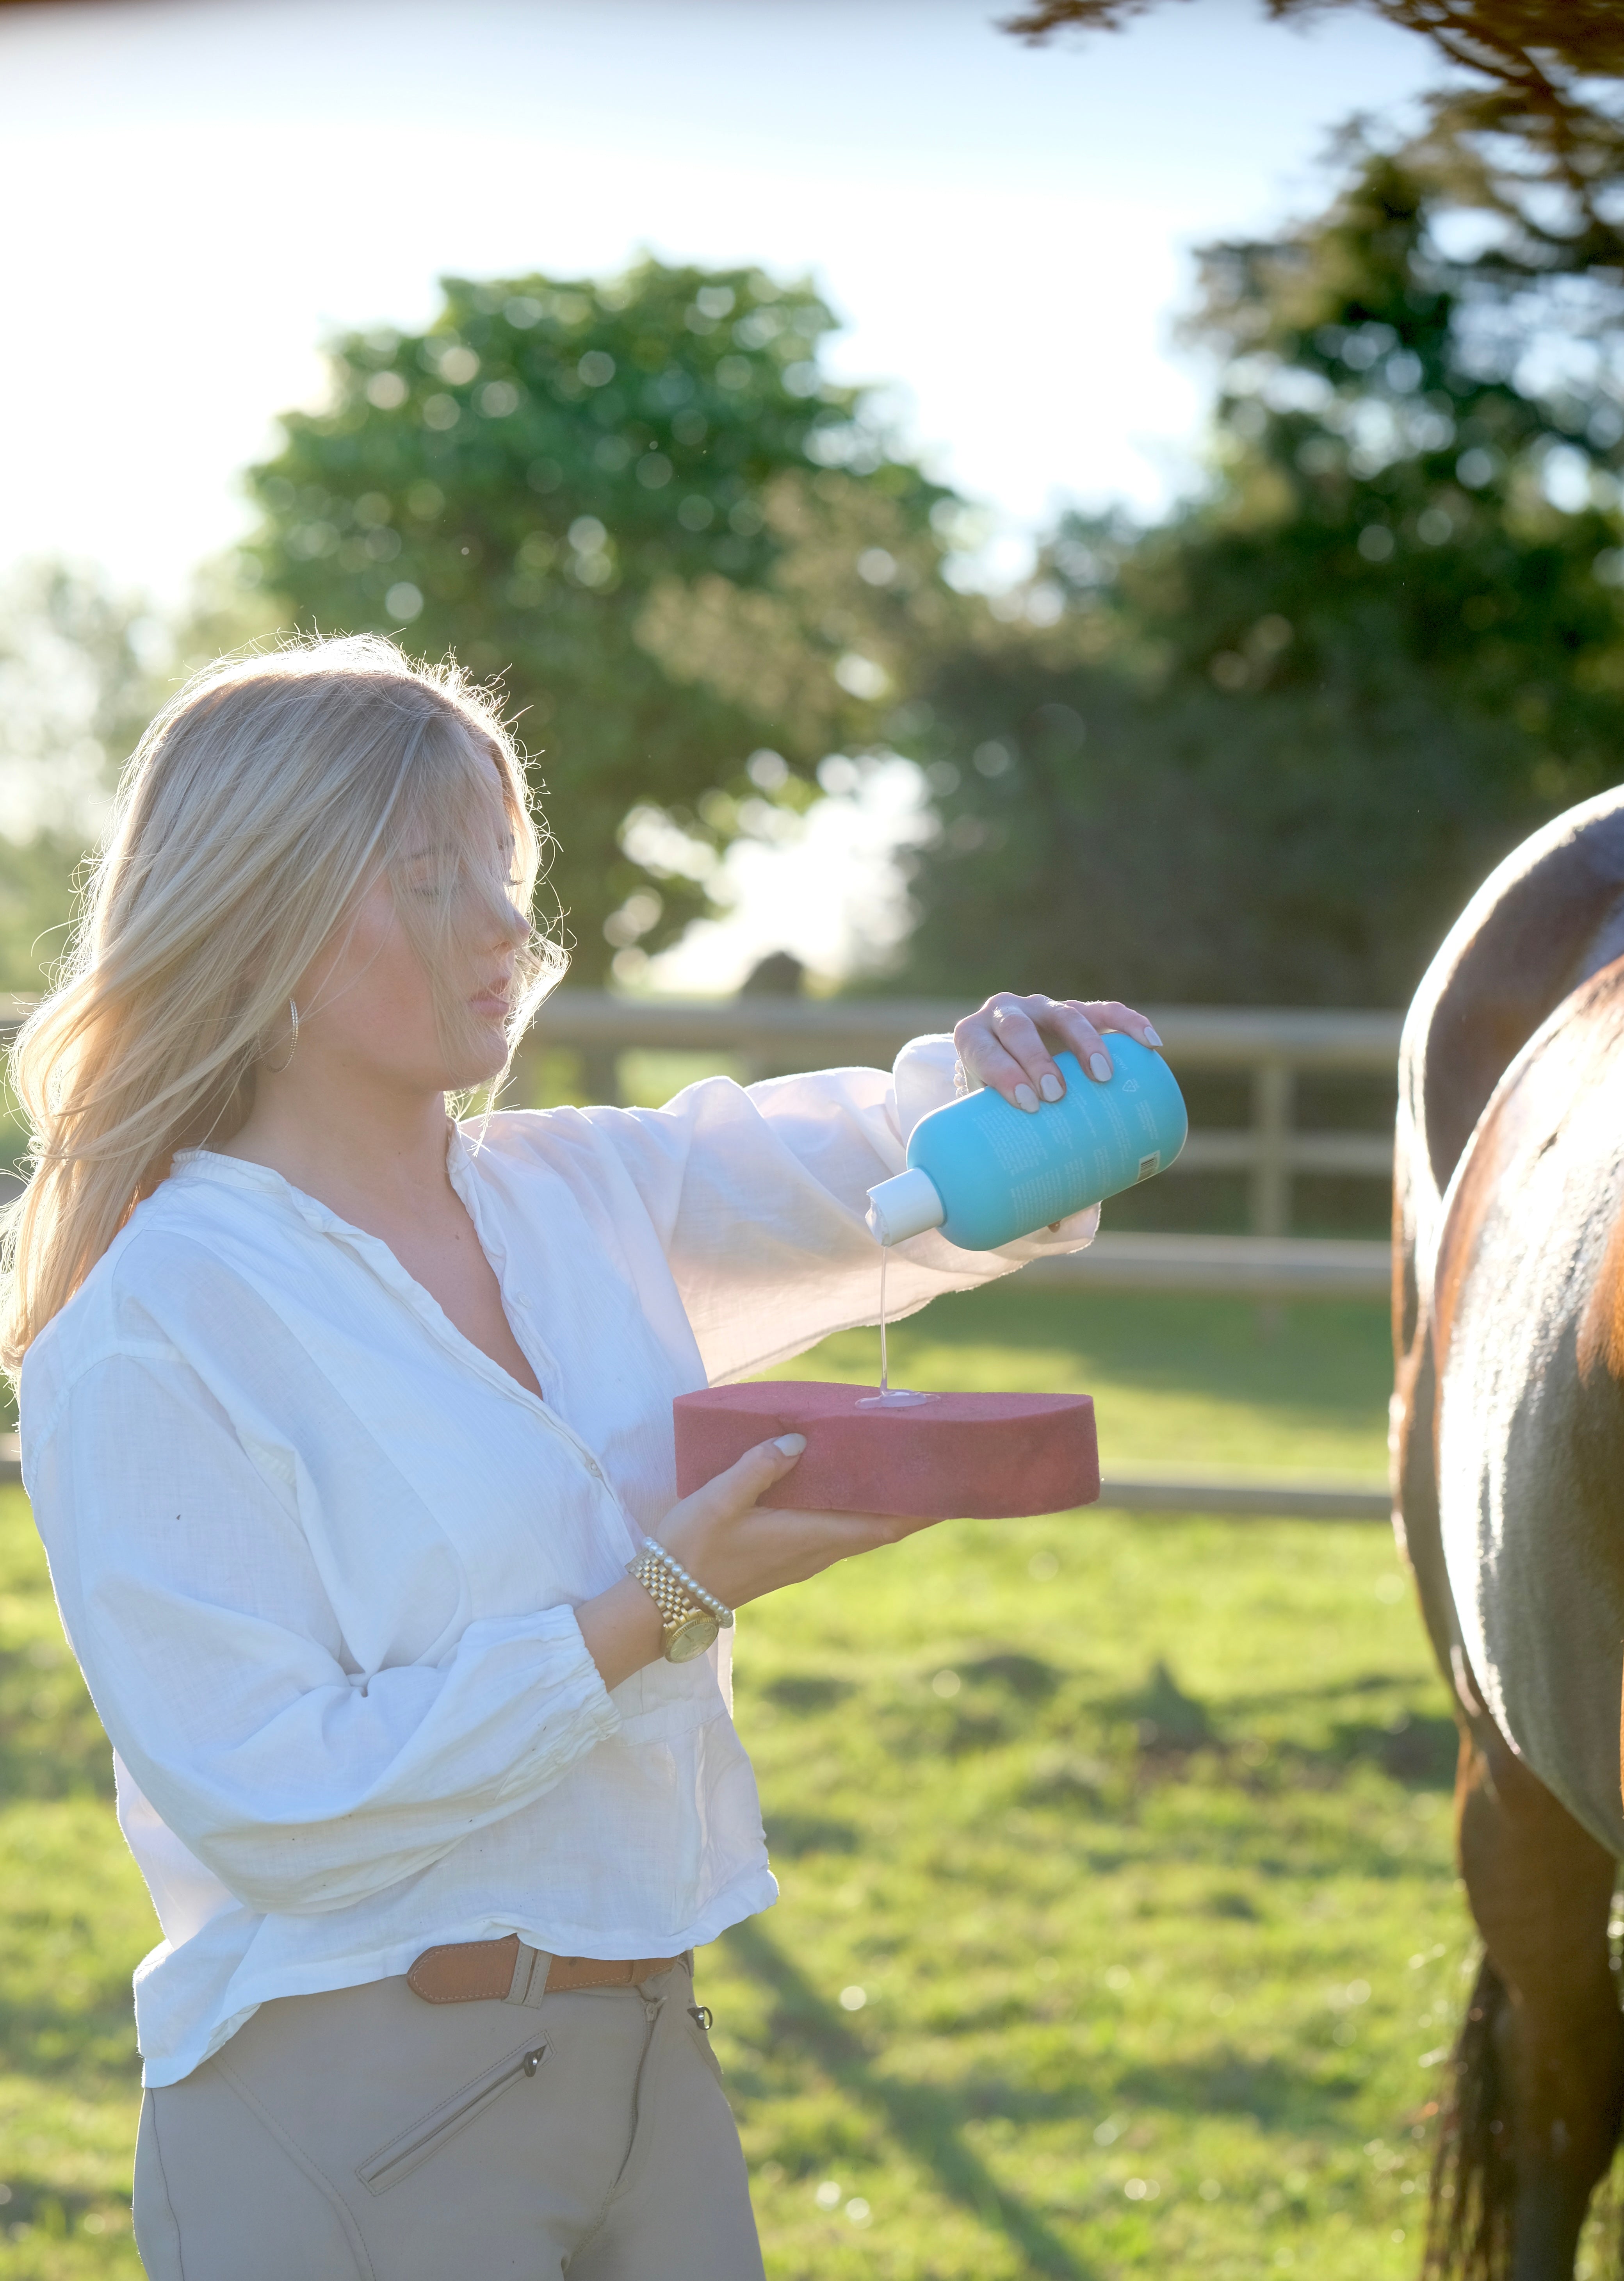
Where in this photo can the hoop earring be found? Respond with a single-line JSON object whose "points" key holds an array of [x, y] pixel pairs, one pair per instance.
{"points": [[276, 1068]]}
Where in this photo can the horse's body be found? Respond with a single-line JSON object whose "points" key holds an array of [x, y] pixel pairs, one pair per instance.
{"points": [[1509, 1491]]}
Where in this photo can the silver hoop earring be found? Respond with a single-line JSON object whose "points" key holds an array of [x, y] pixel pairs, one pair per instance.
{"points": [[276, 1068]]}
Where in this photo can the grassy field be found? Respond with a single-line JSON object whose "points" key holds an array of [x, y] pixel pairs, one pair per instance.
{"points": [[1119, 1933]]}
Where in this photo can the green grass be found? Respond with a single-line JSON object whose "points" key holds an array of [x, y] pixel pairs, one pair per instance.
{"points": [[1211, 1387], [1132, 1834]]}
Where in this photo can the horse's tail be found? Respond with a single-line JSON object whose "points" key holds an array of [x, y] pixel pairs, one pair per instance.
{"points": [[1473, 2175]]}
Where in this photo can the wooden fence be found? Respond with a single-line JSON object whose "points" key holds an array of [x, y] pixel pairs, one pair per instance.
{"points": [[1273, 1048]]}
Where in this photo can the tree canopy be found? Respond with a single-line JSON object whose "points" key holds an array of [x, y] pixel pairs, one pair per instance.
{"points": [[1264, 750], [1528, 68], [1260, 750], [690, 557]]}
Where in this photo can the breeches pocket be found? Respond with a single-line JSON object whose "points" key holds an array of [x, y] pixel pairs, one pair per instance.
{"points": [[423, 2139]]}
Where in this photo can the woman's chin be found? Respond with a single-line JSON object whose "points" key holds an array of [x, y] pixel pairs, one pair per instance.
{"points": [[483, 1057]]}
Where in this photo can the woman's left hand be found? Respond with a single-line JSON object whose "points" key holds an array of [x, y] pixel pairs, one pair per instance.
{"points": [[1010, 1043]]}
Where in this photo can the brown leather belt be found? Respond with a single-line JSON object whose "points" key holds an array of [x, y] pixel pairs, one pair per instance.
{"points": [[503, 1972]]}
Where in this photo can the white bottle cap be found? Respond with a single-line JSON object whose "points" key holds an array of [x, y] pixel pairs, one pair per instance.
{"points": [[905, 1206]]}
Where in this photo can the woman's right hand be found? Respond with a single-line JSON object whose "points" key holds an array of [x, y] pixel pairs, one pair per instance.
{"points": [[740, 1550], [735, 1550]]}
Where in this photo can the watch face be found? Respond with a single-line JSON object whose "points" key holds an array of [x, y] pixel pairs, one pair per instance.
{"points": [[689, 1639]]}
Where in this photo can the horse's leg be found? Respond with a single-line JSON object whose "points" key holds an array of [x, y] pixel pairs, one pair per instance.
{"points": [[1541, 1889], [1539, 2066]]}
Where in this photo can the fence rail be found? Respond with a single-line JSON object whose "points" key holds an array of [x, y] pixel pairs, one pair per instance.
{"points": [[1273, 1045], [1242, 1266]]}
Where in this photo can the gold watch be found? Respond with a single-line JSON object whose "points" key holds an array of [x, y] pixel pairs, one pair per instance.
{"points": [[690, 1616]]}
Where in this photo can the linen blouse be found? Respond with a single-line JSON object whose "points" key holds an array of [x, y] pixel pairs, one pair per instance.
{"points": [[319, 1556]]}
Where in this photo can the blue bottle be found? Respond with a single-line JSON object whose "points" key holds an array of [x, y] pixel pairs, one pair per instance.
{"points": [[986, 1174]]}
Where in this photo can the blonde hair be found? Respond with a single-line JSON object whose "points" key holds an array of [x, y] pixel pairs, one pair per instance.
{"points": [[262, 803]]}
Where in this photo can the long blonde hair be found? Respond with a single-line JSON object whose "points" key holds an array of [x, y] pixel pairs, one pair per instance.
{"points": [[264, 800]]}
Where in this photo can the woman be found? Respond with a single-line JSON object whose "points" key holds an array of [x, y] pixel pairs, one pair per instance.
{"points": [[343, 1424]]}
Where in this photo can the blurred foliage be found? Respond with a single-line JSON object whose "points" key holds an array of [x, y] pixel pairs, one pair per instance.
{"points": [[1261, 751], [642, 504], [81, 670], [1532, 69], [1264, 751]]}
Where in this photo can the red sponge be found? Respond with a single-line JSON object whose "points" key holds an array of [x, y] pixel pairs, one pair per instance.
{"points": [[977, 1457]]}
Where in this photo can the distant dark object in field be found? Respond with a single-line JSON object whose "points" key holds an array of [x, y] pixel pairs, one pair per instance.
{"points": [[779, 974], [1509, 1421]]}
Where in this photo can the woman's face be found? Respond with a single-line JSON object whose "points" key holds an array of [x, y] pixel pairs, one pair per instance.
{"points": [[366, 1006]]}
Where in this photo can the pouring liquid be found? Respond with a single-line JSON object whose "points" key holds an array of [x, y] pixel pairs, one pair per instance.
{"points": [[888, 1398]]}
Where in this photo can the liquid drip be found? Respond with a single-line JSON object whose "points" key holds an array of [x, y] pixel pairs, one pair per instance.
{"points": [[888, 1398]]}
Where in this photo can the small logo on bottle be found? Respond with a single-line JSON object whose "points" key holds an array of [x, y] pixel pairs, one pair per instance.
{"points": [[1148, 1166]]}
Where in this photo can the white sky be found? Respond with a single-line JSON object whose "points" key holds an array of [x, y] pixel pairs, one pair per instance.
{"points": [[194, 190]]}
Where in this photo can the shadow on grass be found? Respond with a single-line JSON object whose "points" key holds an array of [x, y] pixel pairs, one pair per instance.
{"points": [[1418, 1750], [927, 2122], [1283, 1698], [1162, 1714], [1277, 2098], [804, 1691], [57, 2213], [93, 2045], [51, 1742], [798, 1835]]}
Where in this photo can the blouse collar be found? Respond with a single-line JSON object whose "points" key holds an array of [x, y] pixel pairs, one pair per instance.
{"points": [[242, 1172]]}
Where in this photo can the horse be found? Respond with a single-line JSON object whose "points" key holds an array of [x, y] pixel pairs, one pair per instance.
{"points": [[1508, 1481]]}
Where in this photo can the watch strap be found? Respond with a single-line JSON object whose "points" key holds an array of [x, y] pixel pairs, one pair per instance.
{"points": [[683, 1603]]}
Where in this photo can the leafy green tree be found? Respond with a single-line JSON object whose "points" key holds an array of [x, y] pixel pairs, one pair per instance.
{"points": [[1264, 751], [639, 502]]}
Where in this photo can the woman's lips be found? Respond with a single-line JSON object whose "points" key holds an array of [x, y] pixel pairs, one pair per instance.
{"points": [[492, 1003]]}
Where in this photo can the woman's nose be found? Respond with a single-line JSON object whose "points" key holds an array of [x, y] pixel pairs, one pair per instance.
{"points": [[512, 928]]}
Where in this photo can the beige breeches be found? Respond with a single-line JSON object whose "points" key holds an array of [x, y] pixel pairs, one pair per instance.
{"points": [[365, 2135]]}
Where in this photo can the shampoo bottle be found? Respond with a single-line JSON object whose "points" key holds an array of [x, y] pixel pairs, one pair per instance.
{"points": [[987, 1174]]}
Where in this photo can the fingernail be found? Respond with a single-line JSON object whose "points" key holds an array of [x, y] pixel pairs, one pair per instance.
{"points": [[1098, 1066], [791, 1445], [1151, 1038], [1025, 1097], [1050, 1087]]}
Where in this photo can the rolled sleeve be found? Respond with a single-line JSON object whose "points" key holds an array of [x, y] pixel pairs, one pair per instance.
{"points": [[759, 1197]]}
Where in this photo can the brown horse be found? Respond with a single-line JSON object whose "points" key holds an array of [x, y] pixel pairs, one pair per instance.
{"points": [[1508, 1442]]}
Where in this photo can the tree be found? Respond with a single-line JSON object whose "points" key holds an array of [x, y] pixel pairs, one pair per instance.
{"points": [[1527, 68], [1264, 750], [642, 504]]}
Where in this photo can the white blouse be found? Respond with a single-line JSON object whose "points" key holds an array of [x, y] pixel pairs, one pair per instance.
{"points": [[319, 1556]]}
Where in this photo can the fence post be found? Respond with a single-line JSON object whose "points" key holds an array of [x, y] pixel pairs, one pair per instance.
{"points": [[1273, 1087], [600, 1075]]}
